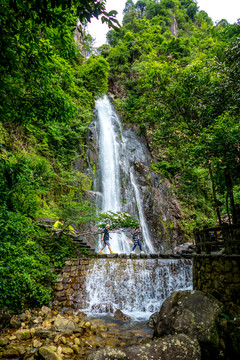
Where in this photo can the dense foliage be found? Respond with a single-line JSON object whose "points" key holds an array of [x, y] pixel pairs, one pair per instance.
{"points": [[47, 93], [176, 76]]}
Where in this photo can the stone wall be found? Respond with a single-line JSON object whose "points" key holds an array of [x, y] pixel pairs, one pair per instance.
{"points": [[70, 285], [218, 275]]}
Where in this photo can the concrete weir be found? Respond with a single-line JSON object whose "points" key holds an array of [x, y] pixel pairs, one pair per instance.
{"points": [[136, 285]]}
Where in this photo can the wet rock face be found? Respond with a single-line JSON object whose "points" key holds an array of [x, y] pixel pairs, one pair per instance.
{"points": [[179, 347], [160, 207], [192, 313]]}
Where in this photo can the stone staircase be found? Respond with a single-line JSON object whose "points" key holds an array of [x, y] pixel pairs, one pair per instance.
{"points": [[82, 245]]}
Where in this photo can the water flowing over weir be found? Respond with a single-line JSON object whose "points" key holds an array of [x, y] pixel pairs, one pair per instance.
{"points": [[138, 287]]}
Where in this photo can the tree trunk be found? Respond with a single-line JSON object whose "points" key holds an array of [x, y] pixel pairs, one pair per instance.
{"points": [[229, 217], [229, 185]]}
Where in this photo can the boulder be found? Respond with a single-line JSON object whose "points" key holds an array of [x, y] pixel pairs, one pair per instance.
{"points": [[43, 333], [4, 341], [153, 320], [67, 351], [11, 352], [63, 324], [15, 322], [46, 310], [23, 334], [119, 315], [108, 353], [179, 347], [36, 343], [5, 316], [48, 354], [192, 313]]}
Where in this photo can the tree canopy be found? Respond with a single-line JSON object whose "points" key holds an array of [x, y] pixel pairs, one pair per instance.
{"points": [[176, 76]]}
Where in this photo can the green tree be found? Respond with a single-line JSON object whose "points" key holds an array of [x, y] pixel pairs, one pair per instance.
{"points": [[129, 5], [95, 75]]}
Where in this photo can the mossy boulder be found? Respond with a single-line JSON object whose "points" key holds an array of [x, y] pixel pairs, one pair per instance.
{"points": [[192, 313], [179, 347], [23, 334], [48, 354]]}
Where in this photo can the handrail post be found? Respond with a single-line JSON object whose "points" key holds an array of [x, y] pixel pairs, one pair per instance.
{"points": [[227, 239]]}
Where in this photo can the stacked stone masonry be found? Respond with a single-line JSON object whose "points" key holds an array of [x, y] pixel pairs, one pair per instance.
{"points": [[218, 275], [70, 283]]}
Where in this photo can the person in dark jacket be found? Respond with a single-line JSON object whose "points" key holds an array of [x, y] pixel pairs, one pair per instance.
{"points": [[105, 239], [136, 240]]}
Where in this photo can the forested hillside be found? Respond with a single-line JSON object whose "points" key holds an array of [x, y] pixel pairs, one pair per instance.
{"points": [[176, 76]]}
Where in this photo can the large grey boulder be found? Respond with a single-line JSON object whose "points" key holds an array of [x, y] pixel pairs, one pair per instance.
{"points": [[62, 324], [192, 313], [179, 347]]}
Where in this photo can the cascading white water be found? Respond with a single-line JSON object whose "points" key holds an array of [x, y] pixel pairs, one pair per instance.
{"points": [[111, 157], [108, 156], [148, 245], [136, 286]]}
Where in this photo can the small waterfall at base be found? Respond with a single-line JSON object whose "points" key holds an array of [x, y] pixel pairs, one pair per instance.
{"points": [[138, 287]]}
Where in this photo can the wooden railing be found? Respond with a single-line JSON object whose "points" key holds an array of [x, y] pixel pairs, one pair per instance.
{"points": [[215, 239]]}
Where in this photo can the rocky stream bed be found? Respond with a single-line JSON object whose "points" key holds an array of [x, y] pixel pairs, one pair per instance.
{"points": [[49, 334], [190, 325]]}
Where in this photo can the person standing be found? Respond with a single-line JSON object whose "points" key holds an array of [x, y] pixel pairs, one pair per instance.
{"points": [[105, 239], [136, 240], [58, 227]]}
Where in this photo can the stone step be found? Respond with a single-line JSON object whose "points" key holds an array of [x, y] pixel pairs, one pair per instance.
{"points": [[81, 243], [84, 246]]}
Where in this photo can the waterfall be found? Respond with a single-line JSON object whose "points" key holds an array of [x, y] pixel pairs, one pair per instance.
{"points": [[113, 162], [109, 155], [138, 287]]}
